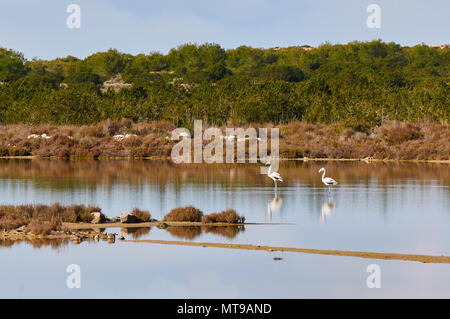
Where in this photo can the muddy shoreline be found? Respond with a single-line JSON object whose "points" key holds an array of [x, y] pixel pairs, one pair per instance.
{"points": [[166, 158], [87, 232], [360, 254]]}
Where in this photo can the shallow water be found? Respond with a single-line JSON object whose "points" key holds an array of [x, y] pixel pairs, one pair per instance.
{"points": [[381, 207]]}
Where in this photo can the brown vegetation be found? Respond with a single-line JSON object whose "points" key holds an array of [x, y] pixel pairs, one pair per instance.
{"points": [[192, 214], [393, 140], [229, 216], [42, 219], [125, 138], [184, 214], [143, 216], [106, 139]]}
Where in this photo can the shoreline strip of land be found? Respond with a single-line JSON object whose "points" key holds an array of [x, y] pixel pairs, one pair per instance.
{"points": [[165, 158], [359, 254]]}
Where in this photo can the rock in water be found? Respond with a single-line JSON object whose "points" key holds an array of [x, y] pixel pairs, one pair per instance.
{"points": [[126, 218], [162, 225], [98, 218]]}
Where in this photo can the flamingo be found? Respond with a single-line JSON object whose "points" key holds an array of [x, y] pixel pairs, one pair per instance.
{"points": [[328, 181], [276, 177]]}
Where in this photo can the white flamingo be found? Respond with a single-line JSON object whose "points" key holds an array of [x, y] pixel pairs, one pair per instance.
{"points": [[276, 177], [328, 181]]}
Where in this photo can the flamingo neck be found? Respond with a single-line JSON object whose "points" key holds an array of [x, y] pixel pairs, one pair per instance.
{"points": [[323, 175], [270, 169]]}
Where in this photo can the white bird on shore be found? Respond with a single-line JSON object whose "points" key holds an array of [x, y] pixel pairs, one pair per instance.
{"points": [[328, 181], [276, 177]]}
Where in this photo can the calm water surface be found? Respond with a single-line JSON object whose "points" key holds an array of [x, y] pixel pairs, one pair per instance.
{"points": [[381, 207]]}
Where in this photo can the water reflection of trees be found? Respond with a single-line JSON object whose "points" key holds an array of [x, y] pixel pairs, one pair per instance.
{"points": [[181, 232], [185, 232], [229, 232], [135, 232], [69, 174], [53, 243], [192, 232]]}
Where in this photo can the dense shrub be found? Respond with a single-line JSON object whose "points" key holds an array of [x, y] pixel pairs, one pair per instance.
{"points": [[43, 227], [42, 219], [360, 84], [184, 214], [228, 216], [142, 215]]}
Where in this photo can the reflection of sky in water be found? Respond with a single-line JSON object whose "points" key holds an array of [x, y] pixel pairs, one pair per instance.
{"points": [[129, 270], [406, 215]]}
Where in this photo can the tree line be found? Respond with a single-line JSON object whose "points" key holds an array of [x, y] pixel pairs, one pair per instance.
{"points": [[361, 84]]}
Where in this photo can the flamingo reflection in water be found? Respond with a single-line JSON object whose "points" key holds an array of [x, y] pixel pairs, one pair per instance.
{"points": [[274, 207], [327, 210]]}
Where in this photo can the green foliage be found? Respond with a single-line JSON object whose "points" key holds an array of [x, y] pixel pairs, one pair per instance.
{"points": [[11, 65], [282, 73], [107, 64], [358, 84]]}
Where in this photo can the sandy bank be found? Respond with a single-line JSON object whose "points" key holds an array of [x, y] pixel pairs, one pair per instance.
{"points": [[304, 159], [360, 254]]}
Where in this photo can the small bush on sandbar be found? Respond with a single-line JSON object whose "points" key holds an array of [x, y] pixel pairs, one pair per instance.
{"points": [[43, 227], [13, 217], [228, 216], [184, 214], [79, 213], [142, 215]]}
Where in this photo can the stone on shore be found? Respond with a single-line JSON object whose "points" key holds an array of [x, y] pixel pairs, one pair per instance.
{"points": [[126, 218], [98, 218], [162, 225]]}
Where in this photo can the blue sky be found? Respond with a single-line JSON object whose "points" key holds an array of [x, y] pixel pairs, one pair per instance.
{"points": [[38, 28]]}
